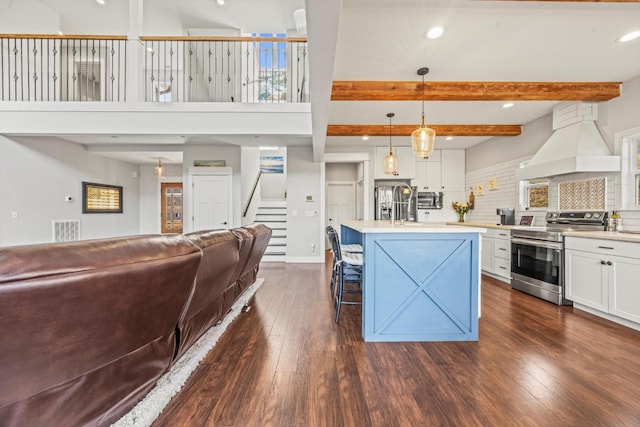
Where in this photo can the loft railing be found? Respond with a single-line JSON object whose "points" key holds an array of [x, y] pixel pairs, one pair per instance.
{"points": [[226, 69], [41, 67]]}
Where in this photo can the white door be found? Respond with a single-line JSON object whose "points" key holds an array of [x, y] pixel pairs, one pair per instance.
{"points": [[211, 201], [341, 203]]}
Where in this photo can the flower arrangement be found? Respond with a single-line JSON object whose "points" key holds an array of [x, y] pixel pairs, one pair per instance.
{"points": [[461, 208]]}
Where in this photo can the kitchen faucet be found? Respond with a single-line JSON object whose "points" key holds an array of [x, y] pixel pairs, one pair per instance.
{"points": [[400, 202]]}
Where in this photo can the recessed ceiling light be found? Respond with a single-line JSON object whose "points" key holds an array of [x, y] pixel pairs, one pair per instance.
{"points": [[266, 148], [100, 2], [434, 33], [220, 2], [629, 36], [365, 138], [449, 138], [507, 105]]}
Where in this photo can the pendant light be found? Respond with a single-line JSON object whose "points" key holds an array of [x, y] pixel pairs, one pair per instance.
{"points": [[390, 161], [159, 169], [423, 139]]}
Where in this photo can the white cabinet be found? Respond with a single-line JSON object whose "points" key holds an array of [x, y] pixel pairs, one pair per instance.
{"points": [[443, 171], [428, 175], [487, 251], [603, 275], [453, 170], [496, 253], [406, 163]]}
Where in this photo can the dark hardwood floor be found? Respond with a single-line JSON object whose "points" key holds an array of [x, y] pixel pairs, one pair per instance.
{"points": [[287, 363]]}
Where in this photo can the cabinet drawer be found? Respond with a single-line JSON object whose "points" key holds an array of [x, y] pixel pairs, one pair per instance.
{"points": [[502, 248], [603, 246], [503, 234], [502, 267]]}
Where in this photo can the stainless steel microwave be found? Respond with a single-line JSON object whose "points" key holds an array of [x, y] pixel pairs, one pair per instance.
{"points": [[430, 200]]}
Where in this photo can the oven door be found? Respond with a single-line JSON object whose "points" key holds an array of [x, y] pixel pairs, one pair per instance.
{"points": [[538, 260]]}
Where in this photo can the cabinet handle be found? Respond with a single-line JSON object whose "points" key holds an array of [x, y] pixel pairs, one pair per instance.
{"points": [[502, 249], [609, 263], [605, 247], [602, 262], [504, 268]]}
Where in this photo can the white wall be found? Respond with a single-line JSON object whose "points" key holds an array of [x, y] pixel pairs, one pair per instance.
{"points": [[341, 172], [304, 231], [250, 162], [35, 177], [274, 185]]}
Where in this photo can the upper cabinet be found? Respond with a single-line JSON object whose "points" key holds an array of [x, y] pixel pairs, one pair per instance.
{"points": [[406, 163], [443, 171]]}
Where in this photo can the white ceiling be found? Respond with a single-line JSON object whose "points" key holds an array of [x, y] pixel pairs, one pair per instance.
{"points": [[384, 40]]}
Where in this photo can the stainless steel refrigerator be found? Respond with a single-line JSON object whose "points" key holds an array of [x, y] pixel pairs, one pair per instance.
{"points": [[404, 203]]}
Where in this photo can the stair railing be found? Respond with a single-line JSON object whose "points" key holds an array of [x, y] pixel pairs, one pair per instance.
{"points": [[253, 192]]}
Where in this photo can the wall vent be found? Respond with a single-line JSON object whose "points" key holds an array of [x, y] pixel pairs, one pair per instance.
{"points": [[65, 230]]}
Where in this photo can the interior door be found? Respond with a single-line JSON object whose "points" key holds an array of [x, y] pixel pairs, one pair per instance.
{"points": [[341, 203], [211, 201], [171, 207]]}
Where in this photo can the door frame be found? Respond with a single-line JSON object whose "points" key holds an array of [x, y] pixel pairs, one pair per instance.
{"points": [[353, 185]]}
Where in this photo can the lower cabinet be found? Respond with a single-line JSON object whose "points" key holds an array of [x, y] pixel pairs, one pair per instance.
{"points": [[598, 277], [496, 253]]}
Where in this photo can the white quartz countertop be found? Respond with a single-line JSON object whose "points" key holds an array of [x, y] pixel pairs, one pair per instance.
{"points": [[410, 227], [609, 235], [482, 224]]}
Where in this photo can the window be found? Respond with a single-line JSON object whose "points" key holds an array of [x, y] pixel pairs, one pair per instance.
{"points": [[534, 194], [273, 68]]}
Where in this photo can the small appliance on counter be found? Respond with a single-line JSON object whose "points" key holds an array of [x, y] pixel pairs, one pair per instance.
{"points": [[507, 216]]}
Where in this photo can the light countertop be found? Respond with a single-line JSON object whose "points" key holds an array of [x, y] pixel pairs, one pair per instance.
{"points": [[411, 227], [609, 235], [482, 224]]}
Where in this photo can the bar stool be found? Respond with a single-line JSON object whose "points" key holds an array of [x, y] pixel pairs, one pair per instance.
{"points": [[347, 268], [353, 248]]}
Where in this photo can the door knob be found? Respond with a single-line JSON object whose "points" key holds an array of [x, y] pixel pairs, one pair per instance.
{"points": [[602, 262], [609, 263]]}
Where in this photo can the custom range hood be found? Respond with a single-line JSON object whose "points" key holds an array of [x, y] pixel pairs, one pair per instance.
{"points": [[575, 145]]}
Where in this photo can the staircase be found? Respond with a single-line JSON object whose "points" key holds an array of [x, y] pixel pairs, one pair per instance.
{"points": [[273, 214]]}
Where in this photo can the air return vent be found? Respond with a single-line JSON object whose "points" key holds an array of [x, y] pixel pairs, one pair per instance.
{"points": [[65, 230]]}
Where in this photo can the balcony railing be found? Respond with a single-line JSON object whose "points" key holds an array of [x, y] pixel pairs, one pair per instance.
{"points": [[62, 68], [174, 69]]}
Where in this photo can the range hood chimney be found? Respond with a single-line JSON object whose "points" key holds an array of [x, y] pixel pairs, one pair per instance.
{"points": [[575, 145]]}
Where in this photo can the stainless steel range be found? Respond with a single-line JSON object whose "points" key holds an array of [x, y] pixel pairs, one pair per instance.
{"points": [[537, 253]]}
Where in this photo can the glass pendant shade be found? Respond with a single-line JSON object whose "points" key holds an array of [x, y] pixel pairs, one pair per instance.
{"points": [[423, 140], [159, 170], [390, 161]]}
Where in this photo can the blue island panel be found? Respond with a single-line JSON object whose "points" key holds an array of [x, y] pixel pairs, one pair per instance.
{"points": [[420, 287]]}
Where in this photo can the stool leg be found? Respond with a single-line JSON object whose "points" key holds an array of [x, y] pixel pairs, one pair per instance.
{"points": [[339, 292]]}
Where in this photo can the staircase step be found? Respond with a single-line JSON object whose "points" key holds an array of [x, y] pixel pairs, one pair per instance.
{"points": [[270, 218]]}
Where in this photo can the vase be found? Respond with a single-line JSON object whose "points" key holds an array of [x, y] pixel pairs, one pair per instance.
{"points": [[460, 216]]}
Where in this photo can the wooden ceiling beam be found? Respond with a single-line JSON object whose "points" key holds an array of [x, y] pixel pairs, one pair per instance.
{"points": [[441, 130], [473, 91]]}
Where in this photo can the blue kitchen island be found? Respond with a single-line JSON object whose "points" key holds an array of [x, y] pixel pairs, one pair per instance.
{"points": [[421, 281]]}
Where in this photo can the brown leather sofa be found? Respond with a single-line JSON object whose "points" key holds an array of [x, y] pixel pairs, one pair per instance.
{"points": [[87, 328]]}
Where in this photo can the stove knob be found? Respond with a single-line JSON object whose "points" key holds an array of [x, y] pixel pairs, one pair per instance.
{"points": [[588, 215], [555, 215], [596, 215]]}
